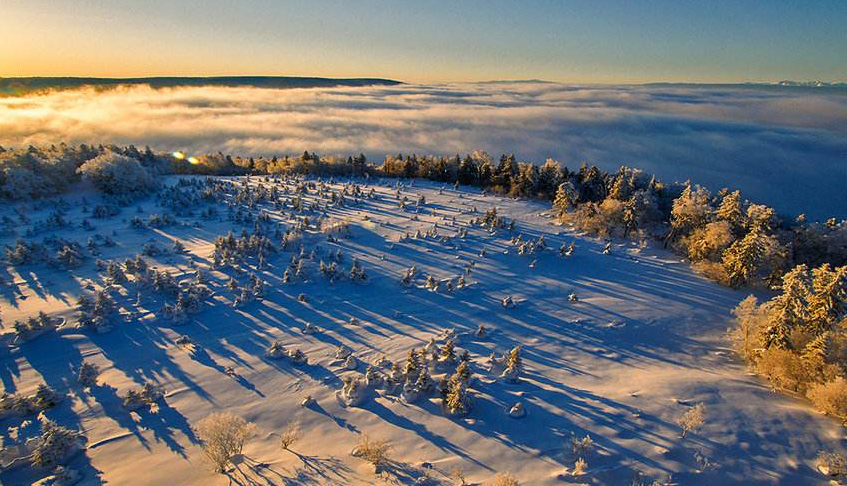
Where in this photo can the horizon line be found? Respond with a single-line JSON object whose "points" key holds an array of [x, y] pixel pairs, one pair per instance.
{"points": [[794, 82]]}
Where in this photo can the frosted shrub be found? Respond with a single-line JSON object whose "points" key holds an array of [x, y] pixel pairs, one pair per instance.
{"points": [[503, 479], [580, 467], [375, 452], [581, 447], [831, 464], [458, 477], [222, 437], [830, 397], [514, 365], [145, 397], [693, 418], [297, 356], [275, 351], [15, 405], [342, 352], [784, 369], [289, 435]]}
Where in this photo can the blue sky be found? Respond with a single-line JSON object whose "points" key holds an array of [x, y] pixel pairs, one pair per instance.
{"points": [[430, 41]]}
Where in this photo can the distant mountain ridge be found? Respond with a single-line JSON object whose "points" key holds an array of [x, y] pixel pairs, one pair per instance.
{"points": [[24, 85], [812, 84]]}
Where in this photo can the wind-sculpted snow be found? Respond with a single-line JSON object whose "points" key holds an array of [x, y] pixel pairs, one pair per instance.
{"points": [[783, 146]]}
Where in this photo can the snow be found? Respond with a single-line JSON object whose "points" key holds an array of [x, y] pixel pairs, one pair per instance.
{"points": [[644, 342]]}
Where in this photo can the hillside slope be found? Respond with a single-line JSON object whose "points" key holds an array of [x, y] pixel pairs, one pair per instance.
{"points": [[642, 344]]}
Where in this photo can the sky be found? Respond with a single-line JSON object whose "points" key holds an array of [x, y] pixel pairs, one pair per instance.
{"points": [[425, 41]]}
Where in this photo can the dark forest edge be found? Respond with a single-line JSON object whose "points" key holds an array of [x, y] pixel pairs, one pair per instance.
{"points": [[798, 339], [24, 86]]}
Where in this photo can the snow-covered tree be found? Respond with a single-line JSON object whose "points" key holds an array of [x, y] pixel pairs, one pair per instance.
{"points": [[55, 445], [457, 400], [565, 198], [118, 174], [514, 365], [731, 210], [790, 308], [690, 210], [87, 375], [745, 258], [828, 300]]}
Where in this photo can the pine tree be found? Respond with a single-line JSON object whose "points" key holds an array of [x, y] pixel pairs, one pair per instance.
{"points": [[817, 350], [463, 370], [115, 273], [620, 188], [630, 216], [760, 217], [789, 307], [457, 400], [829, 296], [549, 177], [448, 352], [730, 210], [691, 210], [87, 375], [413, 366], [566, 198], [743, 258]]}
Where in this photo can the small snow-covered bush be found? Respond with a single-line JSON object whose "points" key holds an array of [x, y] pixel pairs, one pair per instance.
{"points": [[54, 445], [582, 447], [457, 476], [830, 397], [117, 174], [503, 479], [831, 464], [514, 365], [376, 452], [45, 397], [580, 467], [33, 327], [289, 435], [275, 351], [354, 391], [87, 376], [693, 418], [12, 404], [223, 436], [147, 396]]}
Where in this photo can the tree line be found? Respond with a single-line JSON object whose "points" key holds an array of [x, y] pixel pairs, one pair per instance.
{"points": [[727, 238]]}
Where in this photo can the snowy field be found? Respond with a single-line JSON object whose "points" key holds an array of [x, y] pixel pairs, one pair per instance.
{"points": [[617, 345]]}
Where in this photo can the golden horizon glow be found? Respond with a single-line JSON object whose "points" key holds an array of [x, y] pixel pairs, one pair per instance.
{"points": [[566, 41]]}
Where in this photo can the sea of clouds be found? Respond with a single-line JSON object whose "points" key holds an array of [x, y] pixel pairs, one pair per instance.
{"points": [[783, 146]]}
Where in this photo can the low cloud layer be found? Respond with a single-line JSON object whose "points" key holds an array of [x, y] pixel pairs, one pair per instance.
{"points": [[786, 147]]}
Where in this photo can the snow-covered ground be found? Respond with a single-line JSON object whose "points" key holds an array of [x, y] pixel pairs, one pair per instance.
{"points": [[644, 342]]}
